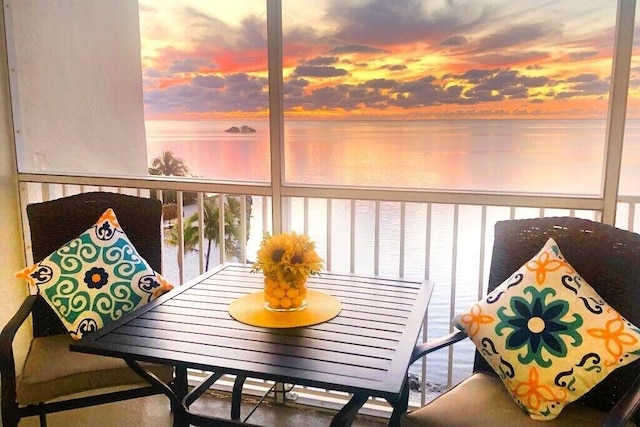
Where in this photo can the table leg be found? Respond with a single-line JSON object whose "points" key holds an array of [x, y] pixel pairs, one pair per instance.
{"points": [[401, 405], [236, 396], [175, 395], [198, 391], [346, 415], [181, 389], [152, 379]]}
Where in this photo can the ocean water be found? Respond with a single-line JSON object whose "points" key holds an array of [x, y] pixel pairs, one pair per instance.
{"points": [[537, 156], [532, 156]]}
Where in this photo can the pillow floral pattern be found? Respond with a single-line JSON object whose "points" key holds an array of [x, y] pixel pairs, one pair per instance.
{"points": [[95, 279], [548, 334]]}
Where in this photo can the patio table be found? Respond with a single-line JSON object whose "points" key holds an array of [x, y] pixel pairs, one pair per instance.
{"points": [[365, 350]]}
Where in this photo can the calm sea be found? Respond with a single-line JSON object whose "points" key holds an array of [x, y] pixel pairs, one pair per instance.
{"points": [[550, 156], [534, 156]]}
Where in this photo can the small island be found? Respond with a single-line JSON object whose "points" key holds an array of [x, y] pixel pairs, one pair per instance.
{"points": [[241, 129]]}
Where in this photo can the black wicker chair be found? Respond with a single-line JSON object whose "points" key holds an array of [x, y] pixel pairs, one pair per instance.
{"points": [[608, 258], [50, 367]]}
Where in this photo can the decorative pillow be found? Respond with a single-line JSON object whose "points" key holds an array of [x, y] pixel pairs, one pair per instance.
{"points": [[95, 279], [548, 334]]}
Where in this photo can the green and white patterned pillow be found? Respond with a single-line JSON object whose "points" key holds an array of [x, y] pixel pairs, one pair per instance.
{"points": [[548, 334], [95, 279]]}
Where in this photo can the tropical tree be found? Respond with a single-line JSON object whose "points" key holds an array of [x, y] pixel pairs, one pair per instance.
{"points": [[168, 164], [211, 231], [190, 238], [211, 213]]}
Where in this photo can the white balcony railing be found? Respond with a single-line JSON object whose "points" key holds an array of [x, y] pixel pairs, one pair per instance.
{"points": [[445, 237]]}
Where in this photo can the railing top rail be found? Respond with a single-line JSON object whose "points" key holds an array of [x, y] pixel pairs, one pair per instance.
{"points": [[586, 202]]}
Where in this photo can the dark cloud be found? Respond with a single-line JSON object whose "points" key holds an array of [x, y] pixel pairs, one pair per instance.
{"points": [[238, 78], [356, 48], [567, 94], [425, 92], [215, 35], [244, 92], [454, 41], [481, 94], [345, 97], [387, 23], [322, 60], [188, 65], [213, 82], [416, 85], [498, 84], [381, 84], [306, 71], [580, 56], [298, 82], [206, 94], [583, 78], [505, 80], [584, 85], [395, 67], [508, 57], [519, 36], [598, 87], [473, 76]]}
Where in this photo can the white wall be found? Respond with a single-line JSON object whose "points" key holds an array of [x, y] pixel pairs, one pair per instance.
{"points": [[12, 291], [74, 88], [78, 105]]}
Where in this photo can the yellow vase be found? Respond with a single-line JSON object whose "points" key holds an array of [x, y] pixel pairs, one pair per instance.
{"points": [[285, 295]]}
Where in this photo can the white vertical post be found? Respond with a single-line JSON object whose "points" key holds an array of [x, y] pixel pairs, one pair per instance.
{"points": [[617, 111], [222, 249], [276, 109], [201, 232], [180, 225]]}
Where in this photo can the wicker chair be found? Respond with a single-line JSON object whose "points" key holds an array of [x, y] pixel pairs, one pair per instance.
{"points": [[51, 370], [607, 258]]}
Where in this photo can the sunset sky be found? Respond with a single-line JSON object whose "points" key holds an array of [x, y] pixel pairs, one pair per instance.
{"points": [[369, 59]]}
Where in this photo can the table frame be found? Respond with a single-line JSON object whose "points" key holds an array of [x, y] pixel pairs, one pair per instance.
{"points": [[365, 350]]}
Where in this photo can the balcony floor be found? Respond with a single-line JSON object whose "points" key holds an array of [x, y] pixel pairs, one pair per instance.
{"points": [[154, 411]]}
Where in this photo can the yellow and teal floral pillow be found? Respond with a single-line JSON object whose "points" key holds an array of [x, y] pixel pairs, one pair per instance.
{"points": [[95, 279], [548, 334]]}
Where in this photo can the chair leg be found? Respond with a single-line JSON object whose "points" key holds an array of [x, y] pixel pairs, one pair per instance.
{"points": [[10, 416], [43, 420]]}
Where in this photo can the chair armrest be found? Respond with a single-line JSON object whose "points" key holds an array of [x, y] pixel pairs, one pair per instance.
{"points": [[622, 412], [430, 346], [7, 361]]}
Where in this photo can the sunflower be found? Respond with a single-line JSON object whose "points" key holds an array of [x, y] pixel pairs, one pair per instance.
{"points": [[304, 260], [274, 252], [288, 257]]}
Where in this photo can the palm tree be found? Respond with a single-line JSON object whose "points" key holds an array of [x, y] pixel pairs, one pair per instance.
{"points": [[191, 237], [211, 216], [168, 164], [211, 213]]}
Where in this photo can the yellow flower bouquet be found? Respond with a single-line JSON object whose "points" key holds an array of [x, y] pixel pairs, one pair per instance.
{"points": [[287, 260]]}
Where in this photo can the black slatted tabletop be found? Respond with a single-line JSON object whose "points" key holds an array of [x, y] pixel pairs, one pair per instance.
{"points": [[366, 348]]}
